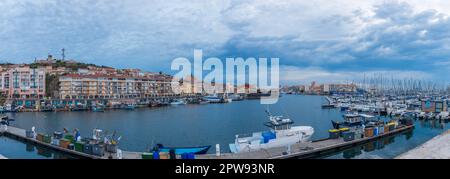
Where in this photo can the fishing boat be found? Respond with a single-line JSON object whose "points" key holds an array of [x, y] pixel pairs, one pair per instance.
{"points": [[11, 108], [281, 133], [2, 109], [350, 120], [328, 106], [183, 150], [78, 107], [212, 98], [46, 108], [236, 97], [178, 102]]}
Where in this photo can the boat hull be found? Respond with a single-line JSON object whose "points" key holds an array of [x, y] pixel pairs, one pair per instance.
{"points": [[182, 150]]}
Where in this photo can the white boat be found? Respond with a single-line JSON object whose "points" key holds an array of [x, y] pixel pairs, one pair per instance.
{"points": [[443, 115], [212, 99], [282, 133], [429, 115], [422, 114], [236, 97]]}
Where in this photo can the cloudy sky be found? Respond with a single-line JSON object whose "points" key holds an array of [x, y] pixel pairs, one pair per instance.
{"points": [[323, 40]]}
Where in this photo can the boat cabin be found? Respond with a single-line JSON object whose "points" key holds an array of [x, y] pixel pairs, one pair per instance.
{"points": [[279, 123], [353, 118]]}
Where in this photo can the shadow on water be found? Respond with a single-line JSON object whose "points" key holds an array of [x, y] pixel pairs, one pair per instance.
{"points": [[359, 150], [392, 146], [24, 150]]}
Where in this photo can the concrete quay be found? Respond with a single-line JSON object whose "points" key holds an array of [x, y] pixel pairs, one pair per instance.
{"points": [[436, 148]]}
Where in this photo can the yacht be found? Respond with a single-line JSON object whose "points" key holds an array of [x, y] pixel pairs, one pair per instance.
{"points": [[281, 133]]}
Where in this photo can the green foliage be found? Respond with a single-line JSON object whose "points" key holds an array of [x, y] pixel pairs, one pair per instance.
{"points": [[51, 85]]}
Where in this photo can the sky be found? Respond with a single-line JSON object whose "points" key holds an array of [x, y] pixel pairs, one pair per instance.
{"points": [[316, 40]]}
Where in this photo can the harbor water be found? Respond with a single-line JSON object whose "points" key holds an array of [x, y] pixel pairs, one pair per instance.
{"points": [[209, 124]]}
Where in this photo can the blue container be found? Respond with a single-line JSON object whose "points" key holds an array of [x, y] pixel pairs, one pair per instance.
{"points": [[29, 134], [155, 155], [188, 156], [268, 136], [98, 150], [375, 131], [87, 149]]}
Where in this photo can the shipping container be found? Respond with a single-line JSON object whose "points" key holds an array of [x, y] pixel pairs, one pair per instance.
{"points": [[368, 132], [98, 149], [88, 149], [163, 155], [71, 146], [69, 137], [64, 143], [334, 133], [29, 134], [111, 148], [341, 130], [147, 155], [47, 139], [79, 146], [386, 128], [55, 142], [380, 130], [348, 136], [40, 137]]}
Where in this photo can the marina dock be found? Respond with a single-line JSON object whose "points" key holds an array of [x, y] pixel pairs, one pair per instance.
{"points": [[436, 148], [306, 150], [20, 134], [312, 149]]}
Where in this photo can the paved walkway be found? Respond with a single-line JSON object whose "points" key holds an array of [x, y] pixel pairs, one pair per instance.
{"points": [[436, 148]]}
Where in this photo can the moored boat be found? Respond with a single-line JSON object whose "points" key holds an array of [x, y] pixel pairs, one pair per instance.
{"points": [[178, 102], [282, 133]]}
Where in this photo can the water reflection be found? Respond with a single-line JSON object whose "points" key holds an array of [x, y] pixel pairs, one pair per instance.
{"points": [[17, 149], [433, 124], [362, 150]]}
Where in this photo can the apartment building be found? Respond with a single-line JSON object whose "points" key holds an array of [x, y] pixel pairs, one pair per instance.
{"points": [[22, 82], [100, 86]]}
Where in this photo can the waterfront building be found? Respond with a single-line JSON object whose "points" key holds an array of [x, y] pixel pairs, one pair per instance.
{"points": [[100, 86], [342, 88], [21, 81], [434, 106]]}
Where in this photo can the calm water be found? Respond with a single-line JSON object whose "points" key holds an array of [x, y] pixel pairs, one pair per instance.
{"points": [[196, 125]]}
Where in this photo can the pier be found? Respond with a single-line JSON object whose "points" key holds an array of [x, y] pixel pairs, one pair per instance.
{"points": [[436, 148], [312, 149], [20, 134]]}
